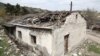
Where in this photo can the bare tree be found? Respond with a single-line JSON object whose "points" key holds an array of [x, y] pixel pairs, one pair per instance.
{"points": [[90, 16]]}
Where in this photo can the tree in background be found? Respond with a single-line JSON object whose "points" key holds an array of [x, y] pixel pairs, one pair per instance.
{"points": [[9, 9], [2, 11], [24, 11], [17, 9], [13, 10], [90, 16]]}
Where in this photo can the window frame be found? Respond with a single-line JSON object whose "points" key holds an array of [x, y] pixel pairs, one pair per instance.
{"points": [[20, 34]]}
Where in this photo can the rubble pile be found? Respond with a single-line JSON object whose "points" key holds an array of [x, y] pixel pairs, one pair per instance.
{"points": [[43, 19]]}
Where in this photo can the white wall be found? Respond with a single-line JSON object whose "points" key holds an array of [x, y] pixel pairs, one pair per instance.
{"points": [[25, 34], [77, 30], [44, 38]]}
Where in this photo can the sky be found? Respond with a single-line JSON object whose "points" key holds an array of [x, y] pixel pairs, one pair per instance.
{"points": [[57, 4]]}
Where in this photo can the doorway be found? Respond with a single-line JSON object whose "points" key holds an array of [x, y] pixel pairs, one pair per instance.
{"points": [[33, 39], [66, 43]]}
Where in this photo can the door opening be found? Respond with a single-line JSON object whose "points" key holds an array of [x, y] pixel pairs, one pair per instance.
{"points": [[66, 43], [33, 39]]}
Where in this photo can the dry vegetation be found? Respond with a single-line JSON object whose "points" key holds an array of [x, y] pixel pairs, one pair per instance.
{"points": [[87, 49]]}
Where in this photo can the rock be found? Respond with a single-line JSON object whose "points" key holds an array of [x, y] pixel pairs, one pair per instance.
{"points": [[1, 47], [79, 53], [74, 54], [7, 53], [9, 41], [21, 55], [17, 49], [1, 38], [15, 45], [35, 55]]}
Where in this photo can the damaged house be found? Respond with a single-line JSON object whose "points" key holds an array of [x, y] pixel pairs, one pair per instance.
{"points": [[55, 33]]}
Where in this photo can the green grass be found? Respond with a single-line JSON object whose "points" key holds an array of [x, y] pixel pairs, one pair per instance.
{"points": [[94, 48], [6, 47], [3, 44]]}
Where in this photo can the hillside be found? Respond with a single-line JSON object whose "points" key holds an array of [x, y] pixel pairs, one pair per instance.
{"points": [[8, 9], [9, 12]]}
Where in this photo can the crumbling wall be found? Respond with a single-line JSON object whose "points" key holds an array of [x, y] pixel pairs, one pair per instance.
{"points": [[77, 31], [43, 39], [75, 26]]}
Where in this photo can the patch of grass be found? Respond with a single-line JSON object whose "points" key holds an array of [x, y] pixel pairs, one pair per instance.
{"points": [[94, 48], [7, 49], [1, 52], [3, 44]]}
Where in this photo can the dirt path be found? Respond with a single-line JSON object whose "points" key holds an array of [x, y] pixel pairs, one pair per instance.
{"points": [[93, 36]]}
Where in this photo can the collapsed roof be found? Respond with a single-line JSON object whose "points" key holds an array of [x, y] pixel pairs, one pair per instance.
{"points": [[42, 20]]}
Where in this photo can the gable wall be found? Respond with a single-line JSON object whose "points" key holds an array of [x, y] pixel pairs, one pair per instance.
{"points": [[77, 30]]}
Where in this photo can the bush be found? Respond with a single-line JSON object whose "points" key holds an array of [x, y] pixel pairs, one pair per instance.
{"points": [[94, 48], [90, 16]]}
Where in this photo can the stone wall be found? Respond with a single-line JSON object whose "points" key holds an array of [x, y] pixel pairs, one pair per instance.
{"points": [[43, 38], [75, 26]]}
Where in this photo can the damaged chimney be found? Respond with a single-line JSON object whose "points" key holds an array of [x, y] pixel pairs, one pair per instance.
{"points": [[71, 7]]}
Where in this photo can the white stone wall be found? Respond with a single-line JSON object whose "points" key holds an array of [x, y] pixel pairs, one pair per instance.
{"points": [[44, 38], [76, 28], [25, 34], [58, 43]]}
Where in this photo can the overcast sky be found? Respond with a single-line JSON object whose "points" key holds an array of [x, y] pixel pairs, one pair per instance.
{"points": [[57, 4]]}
